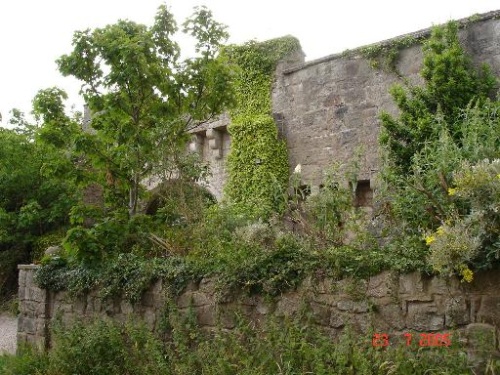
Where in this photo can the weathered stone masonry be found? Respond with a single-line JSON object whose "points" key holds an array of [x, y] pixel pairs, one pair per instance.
{"points": [[388, 302], [327, 108], [324, 109]]}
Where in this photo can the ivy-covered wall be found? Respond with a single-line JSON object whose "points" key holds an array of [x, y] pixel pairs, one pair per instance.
{"points": [[325, 110], [258, 161]]}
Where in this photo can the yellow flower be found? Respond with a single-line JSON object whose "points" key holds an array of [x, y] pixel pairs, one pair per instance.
{"points": [[467, 274], [452, 191], [429, 239], [498, 176], [440, 231]]}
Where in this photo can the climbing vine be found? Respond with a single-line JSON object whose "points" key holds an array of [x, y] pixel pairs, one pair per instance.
{"points": [[258, 162], [385, 55]]}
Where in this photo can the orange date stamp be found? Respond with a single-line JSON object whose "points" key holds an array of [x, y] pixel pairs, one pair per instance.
{"points": [[381, 340]]}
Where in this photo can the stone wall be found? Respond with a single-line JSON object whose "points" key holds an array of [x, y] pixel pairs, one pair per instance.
{"points": [[329, 107], [390, 303], [34, 316]]}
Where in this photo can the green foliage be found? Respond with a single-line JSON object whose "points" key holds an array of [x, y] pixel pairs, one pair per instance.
{"points": [[330, 209], [449, 125], [257, 165], [288, 346], [105, 348], [142, 95], [471, 239], [37, 190], [384, 55], [272, 272], [27, 361], [126, 276], [451, 83], [258, 161]]}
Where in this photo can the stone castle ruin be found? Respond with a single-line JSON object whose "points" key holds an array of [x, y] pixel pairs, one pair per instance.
{"points": [[327, 109]]}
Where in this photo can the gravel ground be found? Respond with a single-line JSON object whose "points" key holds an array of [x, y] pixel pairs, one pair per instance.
{"points": [[8, 333]]}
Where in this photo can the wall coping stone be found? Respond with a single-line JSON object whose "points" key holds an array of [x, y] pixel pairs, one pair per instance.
{"points": [[28, 266], [415, 34]]}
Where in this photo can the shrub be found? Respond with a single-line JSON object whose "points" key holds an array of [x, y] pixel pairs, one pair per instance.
{"points": [[471, 239], [106, 348]]}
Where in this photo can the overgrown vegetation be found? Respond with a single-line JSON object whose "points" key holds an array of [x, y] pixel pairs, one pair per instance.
{"points": [[279, 347], [186, 237], [258, 161], [385, 55], [37, 185], [447, 129], [440, 204]]}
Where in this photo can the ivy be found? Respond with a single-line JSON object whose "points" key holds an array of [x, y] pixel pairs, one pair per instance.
{"points": [[385, 55], [258, 161]]}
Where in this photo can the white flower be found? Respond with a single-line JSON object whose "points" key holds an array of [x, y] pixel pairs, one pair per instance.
{"points": [[298, 169]]}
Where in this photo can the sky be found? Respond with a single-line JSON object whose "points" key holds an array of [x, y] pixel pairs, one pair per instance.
{"points": [[34, 33]]}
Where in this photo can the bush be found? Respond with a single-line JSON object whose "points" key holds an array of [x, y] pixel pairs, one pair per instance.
{"points": [[471, 239], [28, 361], [106, 348]]}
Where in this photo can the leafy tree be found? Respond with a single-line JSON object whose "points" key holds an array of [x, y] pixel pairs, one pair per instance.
{"points": [[37, 184], [451, 83], [144, 97]]}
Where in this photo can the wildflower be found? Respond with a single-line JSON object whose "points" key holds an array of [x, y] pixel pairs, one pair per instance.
{"points": [[467, 274], [440, 231], [429, 239], [298, 169], [452, 191]]}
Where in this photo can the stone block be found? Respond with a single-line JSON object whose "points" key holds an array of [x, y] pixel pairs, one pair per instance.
{"points": [[353, 306], [456, 312], [80, 306], [264, 308], [411, 284], [206, 315], [326, 299], [149, 317], [442, 286], [28, 326], [388, 317], [36, 294], [380, 285], [288, 305], [320, 313], [338, 319], [489, 310], [208, 285], [424, 317], [323, 286], [194, 299]]}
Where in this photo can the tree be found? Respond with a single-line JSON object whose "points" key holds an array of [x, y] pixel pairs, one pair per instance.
{"points": [[143, 97], [37, 185], [451, 83]]}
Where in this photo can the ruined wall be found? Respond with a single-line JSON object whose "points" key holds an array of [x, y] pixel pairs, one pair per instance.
{"points": [[212, 142], [390, 303], [327, 108], [330, 106]]}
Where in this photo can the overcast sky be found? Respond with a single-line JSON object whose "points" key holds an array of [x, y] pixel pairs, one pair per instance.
{"points": [[34, 33]]}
